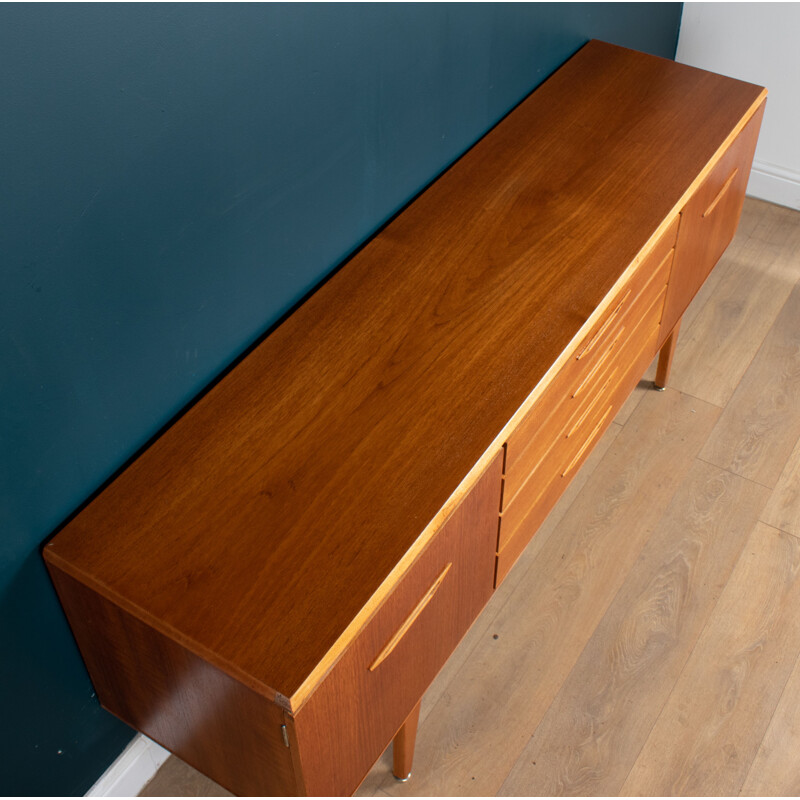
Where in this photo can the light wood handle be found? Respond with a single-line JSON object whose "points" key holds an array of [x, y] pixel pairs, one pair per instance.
{"points": [[403, 629], [603, 328], [586, 444], [600, 362], [720, 194], [657, 272], [664, 260], [588, 410]]}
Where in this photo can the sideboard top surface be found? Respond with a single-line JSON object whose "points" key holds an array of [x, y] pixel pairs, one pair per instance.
{"points": [[257, 527]]}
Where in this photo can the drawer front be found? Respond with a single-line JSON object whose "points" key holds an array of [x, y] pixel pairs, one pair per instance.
{"points": [[348, 721], [569, 449], [709, 220], [583, 373]]}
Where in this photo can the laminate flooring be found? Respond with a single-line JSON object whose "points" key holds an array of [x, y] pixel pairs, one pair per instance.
{"points": [[648, 640]]}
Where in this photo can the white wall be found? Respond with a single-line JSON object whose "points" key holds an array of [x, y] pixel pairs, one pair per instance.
{"points": [[759, 43]]}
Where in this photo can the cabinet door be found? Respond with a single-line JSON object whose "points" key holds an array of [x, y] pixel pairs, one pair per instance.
{"points": [[708, 222], [351, 717]]}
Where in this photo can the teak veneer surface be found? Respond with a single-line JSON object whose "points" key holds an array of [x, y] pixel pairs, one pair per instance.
{"points": [[258, 528]]}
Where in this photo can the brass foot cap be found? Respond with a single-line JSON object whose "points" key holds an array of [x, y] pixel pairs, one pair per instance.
{"points": [[659, 388], [402, 780]]}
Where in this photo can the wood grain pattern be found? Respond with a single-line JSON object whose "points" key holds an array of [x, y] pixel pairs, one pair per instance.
{"points": [[392, 644], [775, 771], [704, 743], [483, 625], [210, 720], [783, 509], [351, 718], [665, 356], [709, 220], [757, 222], [755, 279], [289, 466], [403, 746], [590, 737], [771, 224], [583, 375], [695, 516], [574, 413], [758, 429], [474, 734], [540, 493], [644, 386]]}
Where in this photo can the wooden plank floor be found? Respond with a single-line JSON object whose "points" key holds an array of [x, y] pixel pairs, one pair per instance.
{"points": [[648, 640]]}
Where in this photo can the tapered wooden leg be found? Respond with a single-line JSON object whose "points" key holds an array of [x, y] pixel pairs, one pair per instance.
{"points": [[403, 746], [665, 358]]}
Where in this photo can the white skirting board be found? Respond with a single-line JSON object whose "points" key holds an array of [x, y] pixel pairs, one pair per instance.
{"points": [[134, 767], [775, 184]]}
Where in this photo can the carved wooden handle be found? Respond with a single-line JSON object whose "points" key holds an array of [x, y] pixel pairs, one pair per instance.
{"points": [[720, 193], [603, 328], [403, 629], [589, 379], [586, 444], [591, 407]]}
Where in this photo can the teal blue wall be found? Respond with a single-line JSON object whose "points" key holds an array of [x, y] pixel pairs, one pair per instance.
{"points": [[173, 178]]}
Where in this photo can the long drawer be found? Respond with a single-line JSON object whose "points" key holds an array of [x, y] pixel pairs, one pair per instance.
{"points": [[533, 501], [586, 370]]}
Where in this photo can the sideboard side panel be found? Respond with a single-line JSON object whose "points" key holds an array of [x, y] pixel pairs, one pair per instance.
{"points": [[219, 726]]}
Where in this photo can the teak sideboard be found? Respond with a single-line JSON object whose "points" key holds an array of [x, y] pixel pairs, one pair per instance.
{"points": [[271, 586]]}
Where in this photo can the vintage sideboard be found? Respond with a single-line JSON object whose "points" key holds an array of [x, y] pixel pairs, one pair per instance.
{"points": [[268, 590]]}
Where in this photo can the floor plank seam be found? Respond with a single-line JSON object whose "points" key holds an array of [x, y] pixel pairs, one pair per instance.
{"points": [[761, 343], [731, 472], [690, 653], [778, 530], [589, 639], [698, 314], [700, 399], [766, 335], [767, 726]]}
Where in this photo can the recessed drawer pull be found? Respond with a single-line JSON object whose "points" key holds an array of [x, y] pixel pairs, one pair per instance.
{"points": [[721, 193], [395, 640], [603, 328], [586, 444]]}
